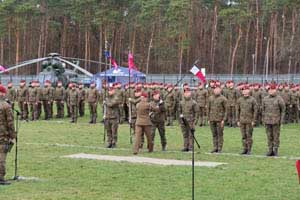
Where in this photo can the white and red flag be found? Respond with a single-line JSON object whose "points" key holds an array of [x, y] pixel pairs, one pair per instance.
{"points": [[197, 72]]}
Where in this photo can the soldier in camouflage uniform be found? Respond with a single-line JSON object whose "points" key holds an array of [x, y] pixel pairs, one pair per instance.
{"points": [[284, 92], [273, 109], [143, 124], [246, 111], [33, 100], [7, 133], [22, 98], [232, 96], [11, 94], [92, 97], [120, 95], [157, 116], [45, 97], [294, 106], [216, 115], [258, 96], [39, 105], [51, 98], [201, 98], [188, 111], [59, 98], [111, 105], [73, 101], [170, 99], [66, 99], [82, 95]]}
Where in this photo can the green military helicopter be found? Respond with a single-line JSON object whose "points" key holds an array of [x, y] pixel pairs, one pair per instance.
{"points": [[54, 69]]}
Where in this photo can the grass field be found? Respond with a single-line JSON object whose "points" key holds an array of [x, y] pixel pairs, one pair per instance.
{"points": [[43, 143]]}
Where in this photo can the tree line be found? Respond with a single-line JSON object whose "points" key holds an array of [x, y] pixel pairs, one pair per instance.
{"points": [[165, 36]]}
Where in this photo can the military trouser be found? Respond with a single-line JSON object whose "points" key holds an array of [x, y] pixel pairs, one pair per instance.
{"points": [[33, 110], [121, 114], [293, 114], [111, 126], [51, 110], [47, 108], [217, 134], [39, 107], [170, 115], [200, 116], [259, 116], [81, 106], [287, 114], [132, 125], [3, 154], [60, 107], [187, 135], [93, 112], [68, 109], [73, 112], [231, 116], [247, 132], [162, 132], [24, 110], [140, 130], [273, 134]]}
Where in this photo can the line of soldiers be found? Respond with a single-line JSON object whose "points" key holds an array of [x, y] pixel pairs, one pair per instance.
{"points": [[214, 104]]}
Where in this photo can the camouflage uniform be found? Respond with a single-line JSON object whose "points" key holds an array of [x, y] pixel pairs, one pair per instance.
{"points": [[22, 97], [7, 133], [111, 120], [51, 98], [81, 96], [11, 95], [188, 110], [33, 102], [59, 98], [286, 96], [273, 108], [246, 111], [143, 126], [67, 102], [294, 107], [157, 116], [120, 98], [232, 95], [92, 97], [39, 105], [45, 97], [201, 98], [216, 113], [170, 107], [258, 96], [73, 100]]}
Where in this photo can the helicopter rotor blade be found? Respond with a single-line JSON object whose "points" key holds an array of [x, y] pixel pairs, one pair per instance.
{"points": [[24, 64], [80, 59], [76, 66]]}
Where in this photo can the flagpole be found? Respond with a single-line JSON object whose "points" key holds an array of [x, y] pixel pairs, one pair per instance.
{"points": [[129, 103]]}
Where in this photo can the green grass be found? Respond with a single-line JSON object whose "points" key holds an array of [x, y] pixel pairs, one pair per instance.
{"points": [[64, 178]]}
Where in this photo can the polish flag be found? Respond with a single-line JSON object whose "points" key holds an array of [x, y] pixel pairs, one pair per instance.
{"points": [[197, 72], [131, 64]]}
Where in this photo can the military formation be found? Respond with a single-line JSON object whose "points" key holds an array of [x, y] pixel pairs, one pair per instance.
{"points": [[215, 104]]}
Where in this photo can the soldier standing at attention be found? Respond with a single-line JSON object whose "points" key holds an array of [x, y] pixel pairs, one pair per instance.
{"points": [[170, 105], [73, 99], [232, 96], [22, 97], [82, 94], [33, 100], [68, 90], [273, 109], [7, 133], [216, 114], [92, 97], [246, 111], [201, 98], [157, 116], [11, 94], [59, 97], [284, 92], [143, 124], [51, 99], [294, 106], [258, 95], [111, 122], [46, 94], [39, 105], [188, 111]]}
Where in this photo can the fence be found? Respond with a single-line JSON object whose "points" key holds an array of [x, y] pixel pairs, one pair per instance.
{"points": [[173, 78]]}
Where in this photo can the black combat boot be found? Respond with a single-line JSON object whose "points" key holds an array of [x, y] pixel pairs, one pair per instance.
{"points": [[245, 151], [163, 148], [270, 152], [185, 149], [214, 151], [113, 146], [4, 182], [275, 151], [109, 146]]}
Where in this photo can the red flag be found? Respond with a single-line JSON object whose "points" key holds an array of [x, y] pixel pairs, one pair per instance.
{"points": [[197, 72], [114, 63], [2, 68], [298, 169], [130, 61]]}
